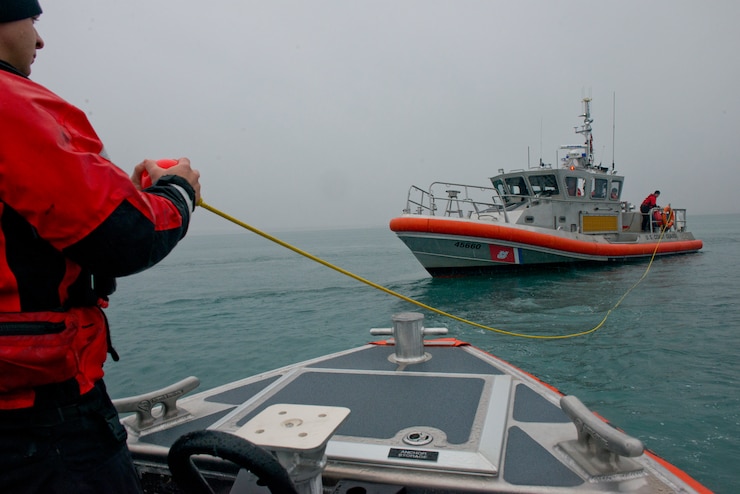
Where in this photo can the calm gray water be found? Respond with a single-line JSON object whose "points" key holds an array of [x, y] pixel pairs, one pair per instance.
{"points": [[663, 368]]}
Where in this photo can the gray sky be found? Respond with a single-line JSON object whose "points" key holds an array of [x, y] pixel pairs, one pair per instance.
{"points": [[322, 113]]}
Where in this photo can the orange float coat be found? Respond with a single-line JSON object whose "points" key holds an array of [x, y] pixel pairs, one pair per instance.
{"points": [[70, 223]]}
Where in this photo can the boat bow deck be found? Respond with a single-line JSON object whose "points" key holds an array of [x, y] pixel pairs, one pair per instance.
{"points": [[459, 420]]}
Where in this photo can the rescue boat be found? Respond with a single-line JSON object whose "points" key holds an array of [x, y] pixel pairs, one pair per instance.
{"points": [[404, 413], [539, 216]]}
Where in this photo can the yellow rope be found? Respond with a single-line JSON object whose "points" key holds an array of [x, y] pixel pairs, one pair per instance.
{"points": [[252, 229]]}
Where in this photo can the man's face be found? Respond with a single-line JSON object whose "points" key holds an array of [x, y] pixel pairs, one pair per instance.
{"points": [[19, 41]]}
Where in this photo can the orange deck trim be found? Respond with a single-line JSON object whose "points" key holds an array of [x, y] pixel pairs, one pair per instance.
{"points": [[695, 484]]}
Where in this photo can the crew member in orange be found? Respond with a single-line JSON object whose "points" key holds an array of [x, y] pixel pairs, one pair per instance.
{"points": [[649, 203], [70, 223]]}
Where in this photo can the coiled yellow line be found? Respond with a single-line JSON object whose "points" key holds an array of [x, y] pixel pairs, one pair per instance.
{"points": [[252, 229]]}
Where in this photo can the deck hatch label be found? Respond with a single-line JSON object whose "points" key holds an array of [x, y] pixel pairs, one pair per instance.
{"points": [[413, 454]]}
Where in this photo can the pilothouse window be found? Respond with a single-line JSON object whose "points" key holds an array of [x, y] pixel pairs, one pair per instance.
{"points": [[544, 185], [574, 186], [499, 186], [598, 188], [517, 186], [616, 190]]}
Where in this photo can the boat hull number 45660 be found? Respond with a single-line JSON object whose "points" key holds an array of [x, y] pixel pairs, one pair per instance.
{"points": [[468, 245]]}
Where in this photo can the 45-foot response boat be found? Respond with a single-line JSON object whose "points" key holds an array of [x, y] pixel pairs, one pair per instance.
{"points": [[535, 217]]}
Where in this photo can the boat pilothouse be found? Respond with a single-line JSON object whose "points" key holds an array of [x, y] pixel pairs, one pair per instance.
{"points": [[543, 215], [558, 198]]}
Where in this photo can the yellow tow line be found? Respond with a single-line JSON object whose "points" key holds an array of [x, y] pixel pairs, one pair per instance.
{"points": [[252, 229]]}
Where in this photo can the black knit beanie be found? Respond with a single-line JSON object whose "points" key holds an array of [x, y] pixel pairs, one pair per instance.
{"points": [[15, 10]]}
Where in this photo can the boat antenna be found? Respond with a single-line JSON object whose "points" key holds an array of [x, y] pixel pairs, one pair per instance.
{"points": [[614, 119], [541, 162], [586, 131]]}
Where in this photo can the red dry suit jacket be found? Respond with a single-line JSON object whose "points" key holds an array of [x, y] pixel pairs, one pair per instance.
{"points": [[650, 202], [70, 222]]}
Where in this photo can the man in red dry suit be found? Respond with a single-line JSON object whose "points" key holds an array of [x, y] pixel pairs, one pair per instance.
{"points": [[649, 203], [70, 223]]}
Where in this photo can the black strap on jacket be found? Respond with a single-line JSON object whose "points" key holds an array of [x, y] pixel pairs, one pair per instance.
{"points": [[56, 403]]}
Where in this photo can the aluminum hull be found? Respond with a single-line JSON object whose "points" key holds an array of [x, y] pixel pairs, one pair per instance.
{"points": [[453, 419]]}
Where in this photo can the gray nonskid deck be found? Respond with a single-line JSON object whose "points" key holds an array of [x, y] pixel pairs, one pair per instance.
{"points": [[465, 418]]}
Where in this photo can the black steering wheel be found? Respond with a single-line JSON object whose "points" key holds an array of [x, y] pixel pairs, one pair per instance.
{"points": [[229, 447]]}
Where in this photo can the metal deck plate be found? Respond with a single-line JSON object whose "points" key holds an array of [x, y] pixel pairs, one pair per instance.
{"points": [[428, 420]]}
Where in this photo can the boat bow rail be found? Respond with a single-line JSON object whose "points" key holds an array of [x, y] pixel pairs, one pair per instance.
{"points": [[456, 201]]}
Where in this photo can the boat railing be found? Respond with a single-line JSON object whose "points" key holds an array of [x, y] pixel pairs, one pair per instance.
{"points": [[419, 202], [679, 224], [456, 200], [679, 220]]}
